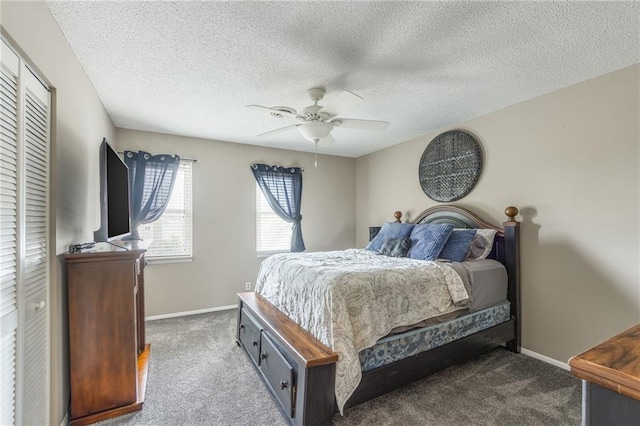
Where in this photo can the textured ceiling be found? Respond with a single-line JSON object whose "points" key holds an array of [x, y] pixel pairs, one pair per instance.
{"points": [[189, 68]]}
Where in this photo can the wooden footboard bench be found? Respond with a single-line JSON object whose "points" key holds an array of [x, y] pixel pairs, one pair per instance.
{"points": [[296, 368]]}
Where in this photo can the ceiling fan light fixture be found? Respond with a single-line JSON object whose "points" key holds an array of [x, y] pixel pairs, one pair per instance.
{"points": [[315, 130]]}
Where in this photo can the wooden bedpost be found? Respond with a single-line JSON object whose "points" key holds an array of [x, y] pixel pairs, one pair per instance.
{"points": [[511, 213], [512, 260], [397, 215]]}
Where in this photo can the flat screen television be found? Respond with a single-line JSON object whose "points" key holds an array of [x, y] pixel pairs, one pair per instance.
{"points": [[115, 212]]}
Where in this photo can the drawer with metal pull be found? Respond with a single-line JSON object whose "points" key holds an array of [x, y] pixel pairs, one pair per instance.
{"points": [[279, 374], [249, 335]]}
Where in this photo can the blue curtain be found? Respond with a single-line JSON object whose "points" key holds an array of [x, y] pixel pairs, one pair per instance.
{"points": [[282, 187], [151, 179]]}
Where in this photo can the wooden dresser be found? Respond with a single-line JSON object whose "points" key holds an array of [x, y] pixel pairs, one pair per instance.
{"points": [[107, 349], [611, 380]]}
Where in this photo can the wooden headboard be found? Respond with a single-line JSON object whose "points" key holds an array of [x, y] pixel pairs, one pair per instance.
{"points": [[462, 218]]}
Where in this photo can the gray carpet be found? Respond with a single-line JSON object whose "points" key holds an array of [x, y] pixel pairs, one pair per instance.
{"points": [[199, 376]]}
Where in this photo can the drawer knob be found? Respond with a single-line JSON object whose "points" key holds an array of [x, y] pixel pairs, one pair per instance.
{"points": [[284, 384], [263, 355], [255, 343]]}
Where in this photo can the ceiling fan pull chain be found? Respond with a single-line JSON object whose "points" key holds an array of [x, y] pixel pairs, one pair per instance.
{"points": [[315, 162]]}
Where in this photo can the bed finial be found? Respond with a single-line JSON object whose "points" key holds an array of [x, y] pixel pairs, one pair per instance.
{"points": [[511, 213], [397, 215]]}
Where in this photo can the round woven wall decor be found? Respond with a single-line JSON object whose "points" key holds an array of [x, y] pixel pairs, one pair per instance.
{"points": [[450, 166]]}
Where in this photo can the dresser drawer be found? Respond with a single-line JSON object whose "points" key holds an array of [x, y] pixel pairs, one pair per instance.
{"points": [[279, 374], [249, 336]]}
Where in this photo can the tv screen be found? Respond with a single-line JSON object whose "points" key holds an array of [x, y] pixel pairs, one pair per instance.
{"points": [[114, 195]]}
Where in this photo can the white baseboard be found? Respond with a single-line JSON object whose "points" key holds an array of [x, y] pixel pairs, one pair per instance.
{"points": [[545, 358], [183, 314]]}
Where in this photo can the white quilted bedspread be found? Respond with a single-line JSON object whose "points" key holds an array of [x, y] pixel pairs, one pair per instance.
{"points": [[349, 299]]}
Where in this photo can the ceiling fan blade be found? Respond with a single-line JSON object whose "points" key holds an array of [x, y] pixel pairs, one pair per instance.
{"points": [[327, 140], [352, 123], [280, 130], [275, 110], [341, 103]]}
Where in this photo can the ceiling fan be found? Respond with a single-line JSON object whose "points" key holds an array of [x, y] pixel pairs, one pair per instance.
{"points": [[318, 121]]}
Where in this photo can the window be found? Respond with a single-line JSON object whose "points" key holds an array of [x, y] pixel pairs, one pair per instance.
{"points": [[171, 235], [273, 235]]}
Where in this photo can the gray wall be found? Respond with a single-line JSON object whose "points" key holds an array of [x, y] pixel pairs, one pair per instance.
{"points": [[79, 122], [569, 160], [224, 243]]}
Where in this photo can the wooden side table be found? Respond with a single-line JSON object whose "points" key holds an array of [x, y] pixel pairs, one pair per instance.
{"points": [[610, 374]]}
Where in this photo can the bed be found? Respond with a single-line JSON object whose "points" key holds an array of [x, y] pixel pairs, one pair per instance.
{"points": [[315, 364]]}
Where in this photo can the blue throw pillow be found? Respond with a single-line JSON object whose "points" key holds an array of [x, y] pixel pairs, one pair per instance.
{"points": [[428, 239], [390, 230], [396, 247], [457, 246]]}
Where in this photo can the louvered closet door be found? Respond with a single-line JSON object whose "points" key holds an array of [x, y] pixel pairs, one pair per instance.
{"points": [[24, 244], [35, 269], [8, 232]]}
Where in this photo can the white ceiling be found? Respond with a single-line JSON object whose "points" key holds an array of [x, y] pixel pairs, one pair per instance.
{"points": [[189, 68]]}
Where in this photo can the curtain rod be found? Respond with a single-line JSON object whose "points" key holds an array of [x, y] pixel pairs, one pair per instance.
{"points": [[286, 167], [181, 159]]}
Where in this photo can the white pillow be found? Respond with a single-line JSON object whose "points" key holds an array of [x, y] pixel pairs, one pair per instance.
{"points": [[482, 244]]}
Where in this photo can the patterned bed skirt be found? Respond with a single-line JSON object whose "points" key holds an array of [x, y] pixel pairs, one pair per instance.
{"points": [[400, 346]]}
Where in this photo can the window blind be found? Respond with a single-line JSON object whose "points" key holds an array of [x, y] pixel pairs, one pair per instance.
{"points": [[273, 234], [171, 235]]}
